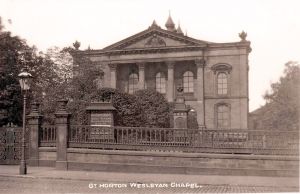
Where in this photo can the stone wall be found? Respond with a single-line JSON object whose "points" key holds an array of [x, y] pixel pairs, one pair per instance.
{"points": [[174, 162]]}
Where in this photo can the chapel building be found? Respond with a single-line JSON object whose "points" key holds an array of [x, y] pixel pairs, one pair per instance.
{"points": [[214, 76]]}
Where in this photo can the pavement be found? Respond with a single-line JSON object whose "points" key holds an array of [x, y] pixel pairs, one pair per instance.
{"points": [[217, 182]]}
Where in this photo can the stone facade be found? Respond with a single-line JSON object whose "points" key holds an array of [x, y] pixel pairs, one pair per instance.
{"points": [[214, 75]]}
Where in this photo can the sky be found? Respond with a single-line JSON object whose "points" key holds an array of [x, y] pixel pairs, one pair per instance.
{"points": [[273, 27]]}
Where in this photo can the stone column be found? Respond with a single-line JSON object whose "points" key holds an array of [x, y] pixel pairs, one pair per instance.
{"points": [[200, 91], [113, 75], [141, 75], [170, 86], [62, 125], [35, 121]]}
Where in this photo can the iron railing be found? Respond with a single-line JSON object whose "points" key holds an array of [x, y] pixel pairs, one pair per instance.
{"points": [[11, 144], [47, 135], [185, 140]]}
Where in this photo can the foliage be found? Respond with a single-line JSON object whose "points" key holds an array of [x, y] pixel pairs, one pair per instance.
{"points": [[128, 110], [52, 77], [192, 122], [78, 89], [10, 91], [63, 62], [155, 108], [47, 69], [281, 111], [145, 108]]}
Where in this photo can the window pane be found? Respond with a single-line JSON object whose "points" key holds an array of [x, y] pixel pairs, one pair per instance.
{"points": [[222, 83], [188, 82], [133, 83], [160, 82]]}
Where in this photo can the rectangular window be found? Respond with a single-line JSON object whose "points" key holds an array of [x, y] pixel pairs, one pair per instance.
{"points": [[222, 83]]}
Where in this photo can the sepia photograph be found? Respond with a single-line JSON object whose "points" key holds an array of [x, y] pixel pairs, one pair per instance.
{"points": [[149, 96]]}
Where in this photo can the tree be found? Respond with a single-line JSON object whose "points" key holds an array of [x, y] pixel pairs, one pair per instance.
{"points": [[16, 56], [281, 111], [63, 61], [10, 91], [59, 63]]}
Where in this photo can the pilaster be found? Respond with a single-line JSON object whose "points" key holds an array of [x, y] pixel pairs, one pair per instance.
{"points": [[113, 75], [141, 75], [200, 63]]}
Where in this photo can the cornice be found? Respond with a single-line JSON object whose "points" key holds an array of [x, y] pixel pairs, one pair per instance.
{"points": [[207, 47], [157, 50], [138, 51]]}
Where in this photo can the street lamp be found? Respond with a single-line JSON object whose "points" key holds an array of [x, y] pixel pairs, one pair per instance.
{"points": [[25, 81], [192, 111]]}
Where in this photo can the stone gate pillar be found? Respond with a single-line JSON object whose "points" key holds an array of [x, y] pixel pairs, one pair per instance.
{"points": [[180, 116], [62, 125], [180, 110], [35, 121]]}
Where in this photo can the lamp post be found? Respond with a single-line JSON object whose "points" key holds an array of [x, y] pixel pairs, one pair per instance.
{"points": [[25, 81]]}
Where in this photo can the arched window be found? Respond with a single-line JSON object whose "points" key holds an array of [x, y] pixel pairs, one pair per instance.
{"points": [[133, 83], [160, 82], [223, 112], [188, 82], [222, 83]]}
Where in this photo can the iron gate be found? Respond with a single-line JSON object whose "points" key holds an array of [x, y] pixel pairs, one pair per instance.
{"points": [[11, 145]]}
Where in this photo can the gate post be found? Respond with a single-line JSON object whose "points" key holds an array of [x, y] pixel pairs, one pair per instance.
{"points": [[62, 118], [35, 121]]}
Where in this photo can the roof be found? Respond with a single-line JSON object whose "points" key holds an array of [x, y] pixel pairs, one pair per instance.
{"points": [[154, 29]]}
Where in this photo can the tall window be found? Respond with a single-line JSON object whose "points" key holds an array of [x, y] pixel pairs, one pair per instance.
{"points": [[222, 83], [133, 83], [188, 82], [160, 83], [222, 116]]}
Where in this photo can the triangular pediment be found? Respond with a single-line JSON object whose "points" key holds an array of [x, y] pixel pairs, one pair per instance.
{"points": [[155, 38]]}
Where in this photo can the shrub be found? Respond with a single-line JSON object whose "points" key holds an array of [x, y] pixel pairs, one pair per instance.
{"points": [[192, 122], [128, 110], [155, 108]]}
